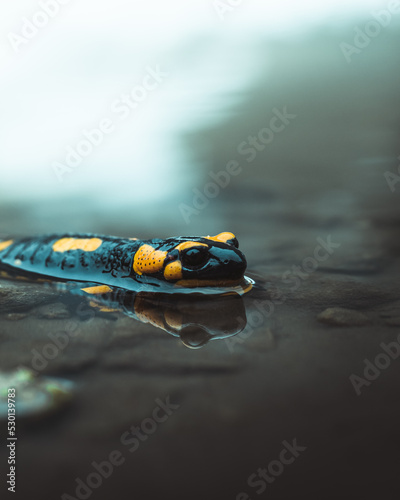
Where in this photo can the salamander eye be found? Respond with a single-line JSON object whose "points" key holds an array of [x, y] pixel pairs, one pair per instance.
{"points": [[234, 242], [195, 257]]}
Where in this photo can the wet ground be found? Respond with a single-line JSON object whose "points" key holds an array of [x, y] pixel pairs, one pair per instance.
{"points": [[319, 226]]}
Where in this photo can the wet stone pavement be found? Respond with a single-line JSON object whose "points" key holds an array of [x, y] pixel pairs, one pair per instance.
{"points": [[294, 374]]}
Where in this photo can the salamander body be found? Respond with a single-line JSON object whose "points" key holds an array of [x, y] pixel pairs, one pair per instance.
{"points": [[128, 262]]}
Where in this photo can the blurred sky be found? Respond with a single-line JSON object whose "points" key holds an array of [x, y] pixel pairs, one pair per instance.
{"points": [[69, 74]]}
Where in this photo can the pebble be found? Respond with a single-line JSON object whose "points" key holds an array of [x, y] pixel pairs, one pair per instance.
{"points": [[339, 316], [36, 395]]}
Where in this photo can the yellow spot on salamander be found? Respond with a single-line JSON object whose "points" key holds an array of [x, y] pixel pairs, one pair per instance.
{"points": [[173, 271], [101, 307], [85, 244], [222, 237], [5, 274], [173, 318], [93, 290], [148, 260], [189, 244], [146, 313], [5, 244]]}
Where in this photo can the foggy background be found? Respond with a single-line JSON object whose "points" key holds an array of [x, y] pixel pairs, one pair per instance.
{"points": [[225, 69]]}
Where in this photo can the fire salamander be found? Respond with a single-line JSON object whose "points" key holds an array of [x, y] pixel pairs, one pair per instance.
{"points": [[132, 264]]}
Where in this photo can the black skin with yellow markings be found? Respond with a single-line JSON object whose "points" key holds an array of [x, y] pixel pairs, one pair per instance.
{"points": [[204, 260]]}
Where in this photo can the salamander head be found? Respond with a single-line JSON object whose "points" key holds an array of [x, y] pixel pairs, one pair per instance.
{"points": [[193, 261]]}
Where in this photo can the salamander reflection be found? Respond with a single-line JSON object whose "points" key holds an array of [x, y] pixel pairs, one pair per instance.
{"points": [[194, 318]]}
